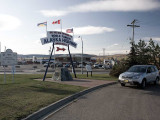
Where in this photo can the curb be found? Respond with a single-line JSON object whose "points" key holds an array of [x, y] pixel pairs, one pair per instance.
{"points": [[54, 106]]}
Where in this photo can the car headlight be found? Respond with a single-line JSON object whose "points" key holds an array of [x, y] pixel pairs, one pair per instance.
{"points": [[120, 76], [136, 77]]}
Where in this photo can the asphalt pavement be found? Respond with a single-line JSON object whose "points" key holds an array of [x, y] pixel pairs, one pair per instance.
{"points": [[114, 103]]}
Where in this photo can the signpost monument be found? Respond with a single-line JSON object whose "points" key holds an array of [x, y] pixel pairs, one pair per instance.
{"points": [[8, 58], [58, 38]]}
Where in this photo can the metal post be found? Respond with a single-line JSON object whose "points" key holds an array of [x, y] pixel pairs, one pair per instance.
{"points": [[4, 74], [48, 63], [54, 61], [12, 77], [82, 58], [13, 70], [0, 54], [72, 62], [133, 34]]}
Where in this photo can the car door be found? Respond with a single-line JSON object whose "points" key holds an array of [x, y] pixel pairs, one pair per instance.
{"points": [[149, 75], [153, 73]]}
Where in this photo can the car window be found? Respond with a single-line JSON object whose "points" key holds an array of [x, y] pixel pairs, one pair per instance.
{"points": [[149, 70], [137, 69], [153, 69]]}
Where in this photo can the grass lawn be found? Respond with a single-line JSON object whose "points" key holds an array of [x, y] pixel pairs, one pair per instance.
{"points": [[96, 77], [25, 96]]}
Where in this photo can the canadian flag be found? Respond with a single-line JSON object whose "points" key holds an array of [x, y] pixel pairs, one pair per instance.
{"points": [[56, 22]]}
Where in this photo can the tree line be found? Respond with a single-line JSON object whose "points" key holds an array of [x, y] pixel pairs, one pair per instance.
{"points": [[142, 53]]}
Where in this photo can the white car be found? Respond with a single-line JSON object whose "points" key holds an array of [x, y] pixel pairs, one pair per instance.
{"points": [[100, 66], [46, 64], [81, 66], [96, 65], [140, 75]]}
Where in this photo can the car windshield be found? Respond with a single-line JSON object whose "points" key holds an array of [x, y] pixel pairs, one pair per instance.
{"points": [[137, 69]]}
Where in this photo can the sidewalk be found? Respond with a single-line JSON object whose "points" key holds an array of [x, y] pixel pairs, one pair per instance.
{"points": [[80, 82]]}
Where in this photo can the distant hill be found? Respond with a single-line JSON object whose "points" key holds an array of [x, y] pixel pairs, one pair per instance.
{"points": [[31, 56], [116, 56]]}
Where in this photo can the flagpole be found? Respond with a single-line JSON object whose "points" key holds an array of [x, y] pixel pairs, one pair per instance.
{"points": [[61, 29], [73, 40], [46, 28], [54, 60], [73, 34]]}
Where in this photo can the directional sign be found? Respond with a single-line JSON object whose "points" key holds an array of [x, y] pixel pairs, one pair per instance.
{"points": [[63, 49]]}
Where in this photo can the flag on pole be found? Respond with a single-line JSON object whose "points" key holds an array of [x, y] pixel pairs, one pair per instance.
{"points": [[42, 24], [69, 30], [56, 22]]}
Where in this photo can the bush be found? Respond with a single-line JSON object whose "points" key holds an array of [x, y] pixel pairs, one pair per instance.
{"points": [[118, 69]]}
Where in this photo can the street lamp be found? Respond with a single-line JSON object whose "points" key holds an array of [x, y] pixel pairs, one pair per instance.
{"points": [[81, 56]]}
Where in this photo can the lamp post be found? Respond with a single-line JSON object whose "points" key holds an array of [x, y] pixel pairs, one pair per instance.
{"points": [[81, 56], [0, 54]]}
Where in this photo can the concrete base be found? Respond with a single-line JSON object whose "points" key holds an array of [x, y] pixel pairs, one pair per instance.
{"points": [[62, 74]]}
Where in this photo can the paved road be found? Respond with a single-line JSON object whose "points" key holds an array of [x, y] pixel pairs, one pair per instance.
{"points": [[114, 103]]}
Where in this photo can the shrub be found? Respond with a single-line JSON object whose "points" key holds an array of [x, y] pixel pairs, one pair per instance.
{"points": [[118, 69]]}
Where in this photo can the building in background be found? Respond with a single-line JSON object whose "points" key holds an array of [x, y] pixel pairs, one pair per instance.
{"points": [[60, 58]]}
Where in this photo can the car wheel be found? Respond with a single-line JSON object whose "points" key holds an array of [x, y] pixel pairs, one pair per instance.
{"points": [[122, 84], [156, 81], [143, 84]]}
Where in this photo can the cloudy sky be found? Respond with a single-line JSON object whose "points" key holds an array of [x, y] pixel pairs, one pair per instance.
{"points": [[100, 23]]}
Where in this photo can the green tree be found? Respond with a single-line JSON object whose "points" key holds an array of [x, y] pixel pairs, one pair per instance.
{"points": [[118, 68], [140, 54], [142, 50], [154, 51], [132, 56]]}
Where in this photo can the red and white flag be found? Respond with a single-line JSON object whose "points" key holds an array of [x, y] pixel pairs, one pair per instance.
{"points": [[56, 22], [69, 30]]}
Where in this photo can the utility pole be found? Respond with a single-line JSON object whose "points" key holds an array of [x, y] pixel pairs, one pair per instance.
{"points": [[133, 26], [81, 55], [104, 53], [5, 49]]}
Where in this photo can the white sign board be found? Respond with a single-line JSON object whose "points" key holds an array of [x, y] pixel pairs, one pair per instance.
{"points": [[88, 68], [45, 41], [58, 38], [8, 58]]}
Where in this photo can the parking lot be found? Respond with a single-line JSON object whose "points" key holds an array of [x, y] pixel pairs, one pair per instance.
{"points": [[39, 69]]}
